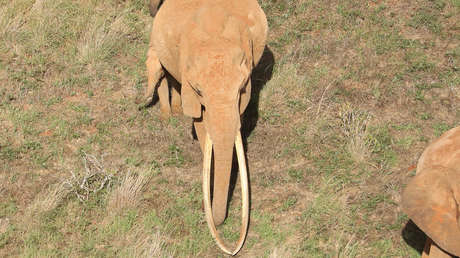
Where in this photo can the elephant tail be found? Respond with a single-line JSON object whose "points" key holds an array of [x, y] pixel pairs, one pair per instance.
{"points": [[154, 5]]}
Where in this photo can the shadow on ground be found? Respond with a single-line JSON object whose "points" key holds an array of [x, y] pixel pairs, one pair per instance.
{"points": [[261, 74], [414, 236]]}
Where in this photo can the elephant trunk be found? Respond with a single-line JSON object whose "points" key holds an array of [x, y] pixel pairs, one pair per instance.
{"points": [[244, 193], [223, 125], [223, 156]]}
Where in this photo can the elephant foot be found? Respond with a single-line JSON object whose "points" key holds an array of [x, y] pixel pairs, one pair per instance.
{"points": [[192, 135], [218, 220], [165, 110], [176, 109], [143, 101], [165, 114]]}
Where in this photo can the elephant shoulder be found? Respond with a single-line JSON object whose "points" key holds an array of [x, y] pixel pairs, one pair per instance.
{"points": [[171, 22]]}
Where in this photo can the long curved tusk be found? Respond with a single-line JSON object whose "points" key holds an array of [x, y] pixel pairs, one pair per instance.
{"points": [[244, 192], [207, 195]]}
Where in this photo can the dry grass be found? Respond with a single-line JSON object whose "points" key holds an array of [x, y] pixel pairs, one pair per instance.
{"points": [[4, 225], [129, 192], [355, 92], [355, 127], [280, 252], [149, 246], [101, 37], [45, 201]]}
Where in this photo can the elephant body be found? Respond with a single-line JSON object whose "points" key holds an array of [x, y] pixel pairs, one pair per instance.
{"points": [[432, 197]]}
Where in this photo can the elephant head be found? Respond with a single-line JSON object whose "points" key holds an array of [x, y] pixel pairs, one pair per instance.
{"points": [[215, 77]]}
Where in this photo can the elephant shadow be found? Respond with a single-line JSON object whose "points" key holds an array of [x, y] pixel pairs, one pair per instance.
{"points": [[261, 74], [414, 236]]}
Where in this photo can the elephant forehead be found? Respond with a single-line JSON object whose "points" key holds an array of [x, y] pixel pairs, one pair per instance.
{"points": [[220, 99], [218, 66], [215, 47]]}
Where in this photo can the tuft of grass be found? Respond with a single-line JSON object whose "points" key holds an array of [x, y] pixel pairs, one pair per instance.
{"points": [[129, 192], [266, 230], [45, 201], [287, 90], [152, 245], [100, 41], [6, 231], [355, 126], [176, 157], [418, 62]]}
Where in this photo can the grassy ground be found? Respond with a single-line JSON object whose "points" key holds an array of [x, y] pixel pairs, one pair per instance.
{"points": [[347, 97]]}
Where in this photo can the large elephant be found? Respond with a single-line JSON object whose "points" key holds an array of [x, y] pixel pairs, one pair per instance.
{"points": [[431, 199], [210, 47]]}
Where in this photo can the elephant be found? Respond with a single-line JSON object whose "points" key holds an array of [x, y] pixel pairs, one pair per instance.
{"points": [[432, 197], [210, 47]]}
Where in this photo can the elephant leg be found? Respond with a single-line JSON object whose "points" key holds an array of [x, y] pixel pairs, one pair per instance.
{"points": [[175, 97], [431, 250], [245, 97], [154, 75], [163, 95], [426, 248], [200, 132]]}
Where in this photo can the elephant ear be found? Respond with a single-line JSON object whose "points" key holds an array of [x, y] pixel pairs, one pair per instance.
{"points": [[190, 103], [247, 45], [247, 65], [235, 31]]}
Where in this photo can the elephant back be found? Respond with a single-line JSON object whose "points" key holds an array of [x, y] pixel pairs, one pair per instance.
{"points": [[445, 151]]}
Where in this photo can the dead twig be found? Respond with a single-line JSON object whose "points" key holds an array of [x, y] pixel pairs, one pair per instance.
{"points": [[94, 179], [322, 97]]}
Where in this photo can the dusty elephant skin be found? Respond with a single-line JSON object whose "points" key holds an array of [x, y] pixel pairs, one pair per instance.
{"points": [[432, 198], [210, 47]]}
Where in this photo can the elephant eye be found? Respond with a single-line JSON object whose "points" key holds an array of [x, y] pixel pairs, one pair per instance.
{"points": [[197, 91]]}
